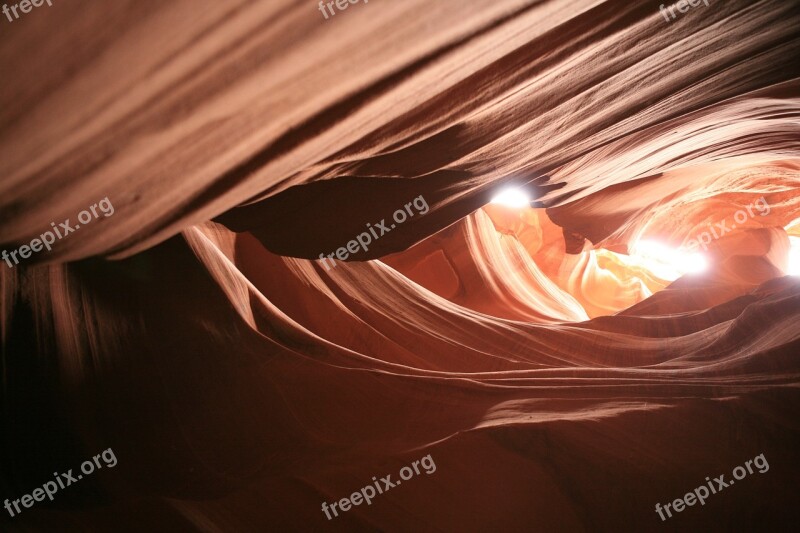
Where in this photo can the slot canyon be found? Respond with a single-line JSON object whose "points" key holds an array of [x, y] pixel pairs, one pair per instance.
{"points": [[552, 247]]}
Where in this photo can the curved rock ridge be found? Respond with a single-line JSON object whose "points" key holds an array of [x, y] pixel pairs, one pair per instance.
{"points": [[272, 352]]}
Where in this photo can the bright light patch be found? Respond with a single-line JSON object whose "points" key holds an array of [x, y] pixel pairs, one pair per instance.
{"points": [[693, 263], [794, 257], [668, 263], [512, 197]]}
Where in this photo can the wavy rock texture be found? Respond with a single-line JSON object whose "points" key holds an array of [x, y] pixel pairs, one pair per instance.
{"points": [[559, 382]]}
